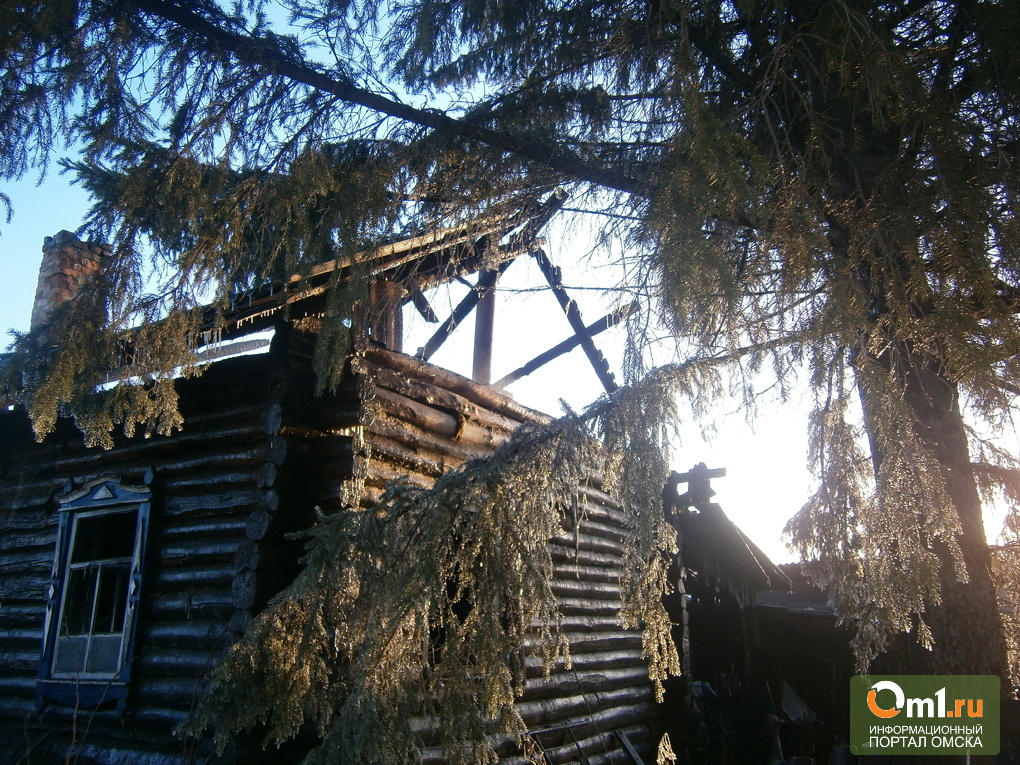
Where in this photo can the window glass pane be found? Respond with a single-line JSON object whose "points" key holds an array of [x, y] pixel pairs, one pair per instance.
{"points": [[104, 654], [70, 656], [99, 537], [111, 598], [81, 589]]}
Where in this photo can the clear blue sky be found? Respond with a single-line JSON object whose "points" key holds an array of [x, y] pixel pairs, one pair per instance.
{"points": [[39, 211]]}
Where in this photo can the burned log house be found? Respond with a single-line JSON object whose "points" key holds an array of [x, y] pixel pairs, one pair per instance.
{"points": [[125, 573]]}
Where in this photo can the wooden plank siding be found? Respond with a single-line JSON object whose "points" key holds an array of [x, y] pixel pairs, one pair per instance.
{"points": [[257, 453]]}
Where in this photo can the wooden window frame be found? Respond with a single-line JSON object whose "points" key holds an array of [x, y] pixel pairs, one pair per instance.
{"points": [[105, 495]]}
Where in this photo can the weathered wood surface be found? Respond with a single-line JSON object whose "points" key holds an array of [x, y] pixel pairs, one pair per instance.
{"points": [[257, 453], [423, 421], [208, 480]]}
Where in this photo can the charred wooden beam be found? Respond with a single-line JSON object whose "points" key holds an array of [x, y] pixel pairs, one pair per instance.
{"points": [[595, 328], [555, 279], [386, 319], [699, 488], [485, 320], [422, 304], [486, 282]]}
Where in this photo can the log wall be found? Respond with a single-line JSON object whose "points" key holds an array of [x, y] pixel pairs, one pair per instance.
{"points": [[213, 489], [421, 421], [258, 452]]}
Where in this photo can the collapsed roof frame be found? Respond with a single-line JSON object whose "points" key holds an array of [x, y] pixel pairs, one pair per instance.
{"points": [[487, 246]]}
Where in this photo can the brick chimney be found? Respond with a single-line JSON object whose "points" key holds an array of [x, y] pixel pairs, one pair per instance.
{"points": [[67, 263]]}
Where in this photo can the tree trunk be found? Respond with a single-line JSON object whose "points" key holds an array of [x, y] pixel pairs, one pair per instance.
{"points": [[966, 626]]}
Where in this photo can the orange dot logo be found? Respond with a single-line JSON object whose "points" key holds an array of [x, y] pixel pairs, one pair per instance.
{"points": [[885, 685]]}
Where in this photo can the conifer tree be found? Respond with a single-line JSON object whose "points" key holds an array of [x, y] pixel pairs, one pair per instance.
{"points": [[821, 185]]}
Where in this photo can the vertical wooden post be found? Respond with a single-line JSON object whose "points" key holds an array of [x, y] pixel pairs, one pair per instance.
{"points": [[485, 316], [386, 322]]}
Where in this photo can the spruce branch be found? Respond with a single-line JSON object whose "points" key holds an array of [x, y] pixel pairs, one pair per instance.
{"points": [[266, 54]]}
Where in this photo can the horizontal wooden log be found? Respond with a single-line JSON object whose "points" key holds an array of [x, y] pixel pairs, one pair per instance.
{"points": [[566, 683], [412, 436], [595, 528], [587, 589], [596, 740], [603, 747], [585, 713], [210, 502], [478, 426], [203, 635], [436, 396], [219, 409], [594, 733], [63, 718], [24, 586], [151, 450], [417, 460], [37, 556], [589, 623], [588, 606], [370, 497], [25, 660], [344, 414], [154, 717], [24, 509], [542, 712], [399, 407], [30, 485], [184, 663], [380, 474], [226, 457], [578, 573], [196, 549], [203, 576], [320, 444], [15, 685], [588, 542], [168, 691], [21, 613], [186, 527], [601, 659], [572, 555], [33, 530], [480, 395], [204, 479], [192, 604], [15, 638], [594, 642], [606, 505]]}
